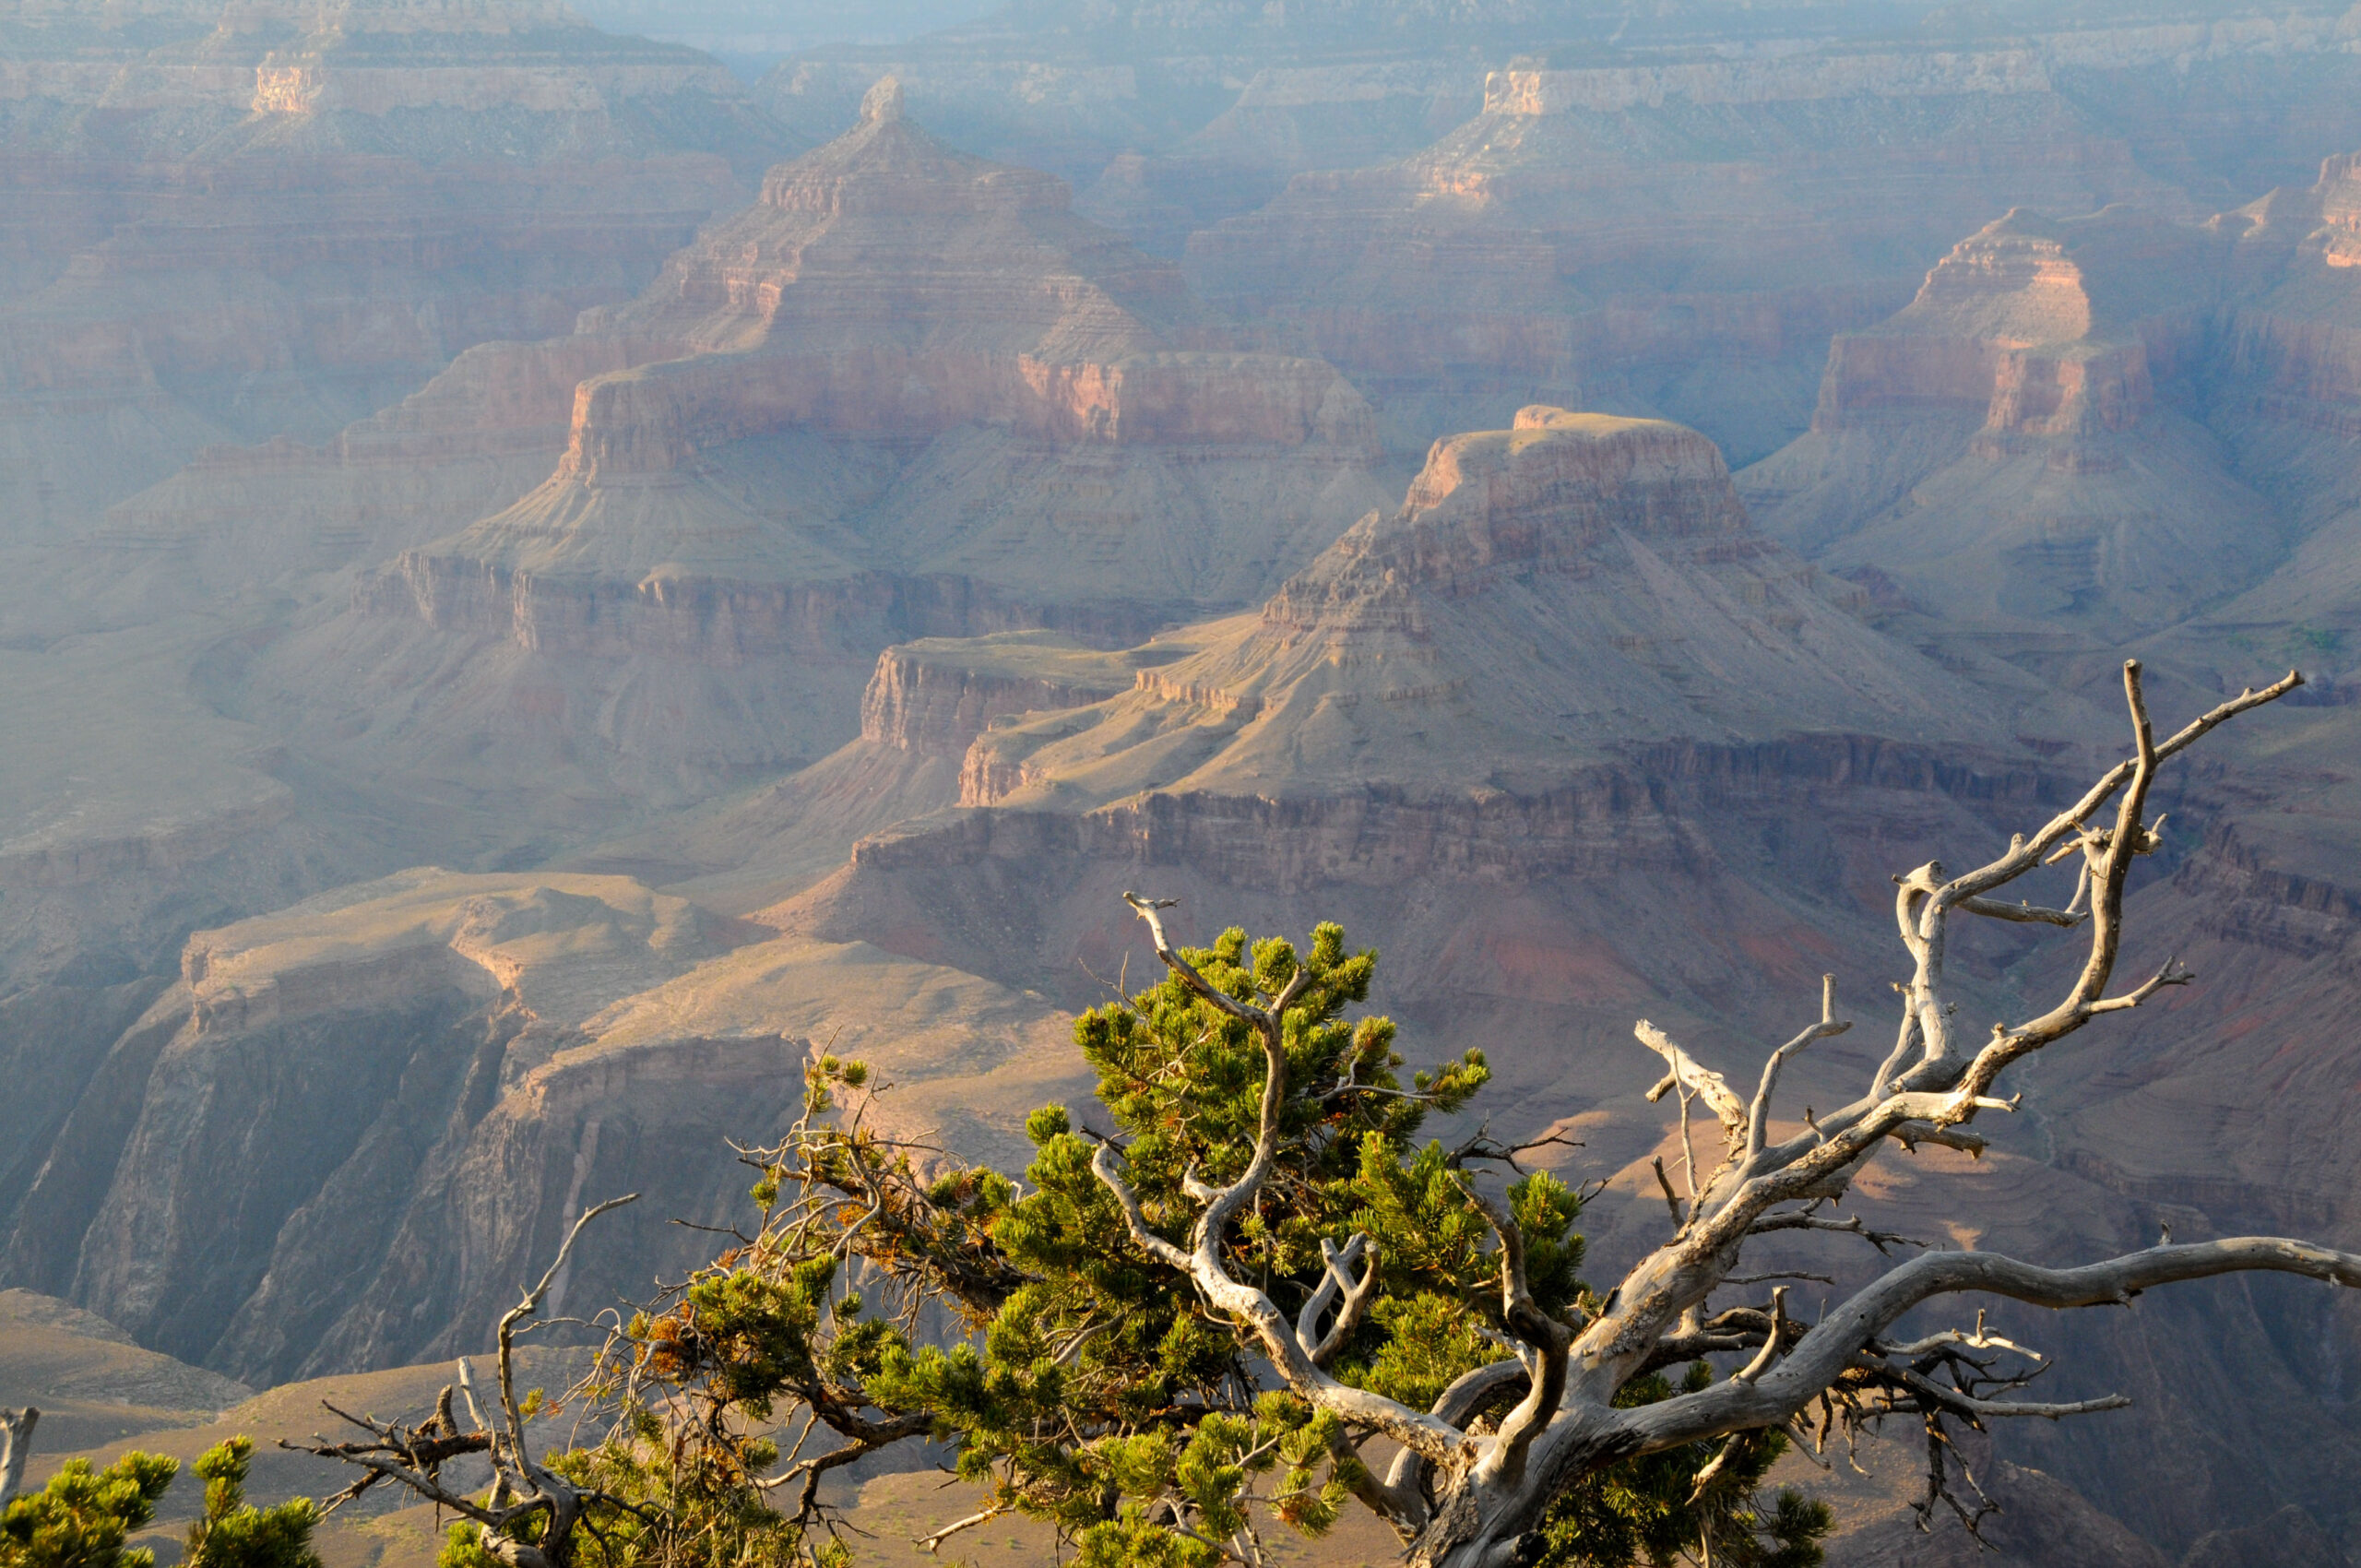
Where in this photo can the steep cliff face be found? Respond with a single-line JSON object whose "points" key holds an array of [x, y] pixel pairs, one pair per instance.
{"points": [[935, 697], [300, 1066], [2016, 448], [336, 1139]]}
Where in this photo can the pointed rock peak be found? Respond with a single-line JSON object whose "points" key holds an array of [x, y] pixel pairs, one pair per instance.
{"points": [[887, 163], [883, 102]]}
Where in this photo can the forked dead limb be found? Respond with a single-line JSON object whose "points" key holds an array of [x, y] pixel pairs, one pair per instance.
{"points": [[411, 1456]]}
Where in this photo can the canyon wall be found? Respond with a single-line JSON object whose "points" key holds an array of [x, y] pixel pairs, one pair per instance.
{"points": [[907, 393], [282, 222]]}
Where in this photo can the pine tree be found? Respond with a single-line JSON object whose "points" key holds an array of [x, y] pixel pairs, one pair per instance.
{"points": [[232, 1533], [84, 1515]]}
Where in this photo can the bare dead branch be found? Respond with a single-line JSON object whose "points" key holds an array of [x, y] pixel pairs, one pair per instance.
{"points": [[1880, 1240], [933, 1543], [16, 1448], [2022, 913], [1753, 1372], [1671, 1198], [1684, 1072], [1354, 1294], [1823, 1354], [1102, 1163], [1758, 1115]]}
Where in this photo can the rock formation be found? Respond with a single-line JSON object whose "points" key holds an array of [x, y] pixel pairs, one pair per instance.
{"points": [[225, 224], [338, 1137], [1547, 597], [906, 392], [1528, 679], [284, 217], [1678, 239], [2015, 448]]}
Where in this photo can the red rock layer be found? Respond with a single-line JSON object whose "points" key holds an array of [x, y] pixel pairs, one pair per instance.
{"points": [[2031, 322], [887, 286]]}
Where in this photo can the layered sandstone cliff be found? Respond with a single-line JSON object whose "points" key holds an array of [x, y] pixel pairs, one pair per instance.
{"points": [[2016, 447]]}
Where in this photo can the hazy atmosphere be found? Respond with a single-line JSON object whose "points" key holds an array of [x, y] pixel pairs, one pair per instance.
{"points": [[651, 598]]}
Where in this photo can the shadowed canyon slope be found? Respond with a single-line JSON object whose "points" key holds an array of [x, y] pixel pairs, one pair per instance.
{"points": [[336, 1140]]}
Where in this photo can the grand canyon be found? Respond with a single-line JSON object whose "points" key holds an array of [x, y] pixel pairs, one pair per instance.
{"points": [[548, 573]]}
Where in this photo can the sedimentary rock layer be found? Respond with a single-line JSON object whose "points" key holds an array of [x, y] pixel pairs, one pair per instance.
{"points": [[2015, 448], [907, 393]]}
